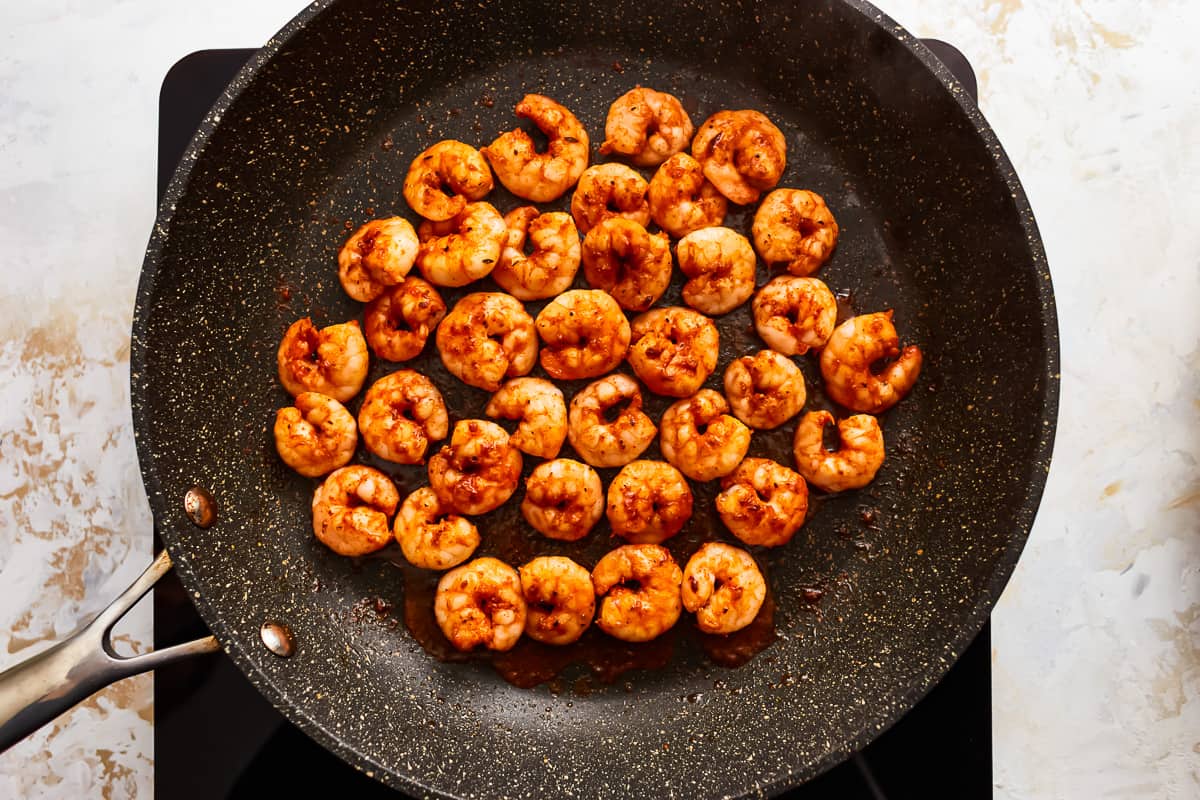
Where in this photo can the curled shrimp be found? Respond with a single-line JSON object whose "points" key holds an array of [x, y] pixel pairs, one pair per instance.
{"points": [[764, 390], [563, 499], [316, 435], [846, 364], [700, 439], [431, 535], [540, 177], [609, 444], [542, 412], [447, 165], [648, 502], [609, 190], [647, 126], [742, 153], [794, 227], [351, 510], [682, 200], [720, 263], [584, 334], [399, 321], [673, 350], [481, 603], [762, 502], [724, 587], [377, 255], [478, 470], [331, 361], [401, 414], [486, 338], [621, 258], [638, 587], [551, 267], [560, 599], [852, 465], [793, 315], [461, 249]]}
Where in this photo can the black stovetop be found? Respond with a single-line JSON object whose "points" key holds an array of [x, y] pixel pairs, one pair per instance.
{"points": [[216, 737]]}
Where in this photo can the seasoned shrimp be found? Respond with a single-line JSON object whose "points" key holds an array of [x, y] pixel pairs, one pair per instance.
{"points": [[399, 321], [647, 126], [853, 465], [724, 587], [478, 471], [481, 603], [673, 350], [742, 153], [721, 264], [609, 444], [639, 589], [430, 534], [551, 267], [486, 338], [648, 502], [793, 314], [351, 510], [448, 165], [401, 414], [542, 412], [764, 390], [621, 258], [559, 596], [563, 499], [316, 435], [377, 255], [609, 190], [464, 248], [701, 439], [794, 227], [584, 334], [331, 361], [540, 177], [762, 502], [846, 364], [682, 200]]}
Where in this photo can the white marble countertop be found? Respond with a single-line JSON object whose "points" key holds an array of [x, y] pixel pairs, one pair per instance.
{"points": [[1096, 659]]}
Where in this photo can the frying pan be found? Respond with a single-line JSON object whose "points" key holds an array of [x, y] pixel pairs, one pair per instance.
{"points": [[873, 600]]}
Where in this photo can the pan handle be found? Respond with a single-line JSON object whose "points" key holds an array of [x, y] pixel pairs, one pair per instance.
{"points": [[39, 689]]}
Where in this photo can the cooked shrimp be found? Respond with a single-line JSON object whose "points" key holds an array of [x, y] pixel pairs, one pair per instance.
{"points": [[682, 200], [846, 364], [478, 471], [853, 465], [448, 165], [701, 439], [540, 177], [551, 267], [794, 227], [563, 499], [793, 315], [609, 444], [742, 153], [351, 510], [639, 589], [464, 248], [763, 503], [481, 603], [431, 535], [648, 502], [399, 321], [609, 190], [542, 412], [401, 414], [764, 390], [559, 595], [721, 264], [673, 350], [584, 334], [316, 435], [331, 361], [621, 258], [486, 338], [724, 588], [377, 255], [647, 126]]}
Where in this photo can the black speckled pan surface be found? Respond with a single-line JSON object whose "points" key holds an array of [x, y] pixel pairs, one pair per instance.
{"points": [[317, 133]]}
